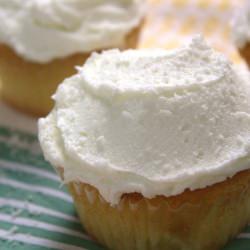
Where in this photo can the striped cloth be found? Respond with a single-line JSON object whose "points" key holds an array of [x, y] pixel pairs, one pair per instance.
{"points": [[36, 212]]}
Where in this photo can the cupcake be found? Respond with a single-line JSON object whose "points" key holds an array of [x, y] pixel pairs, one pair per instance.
{"points": [[154, 146], [42, 41], [241, 30]]}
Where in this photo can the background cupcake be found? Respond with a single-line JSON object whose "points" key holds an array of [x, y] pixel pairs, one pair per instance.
{"points": [[154, 146], [42, 41], [241, 30]]}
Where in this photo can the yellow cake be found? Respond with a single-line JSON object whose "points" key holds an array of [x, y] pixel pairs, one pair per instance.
{"points": [[53, 41], [154, 146]]}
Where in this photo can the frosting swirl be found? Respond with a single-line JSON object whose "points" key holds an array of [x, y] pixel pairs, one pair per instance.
{"points": [[152, 121], [42, 30]]}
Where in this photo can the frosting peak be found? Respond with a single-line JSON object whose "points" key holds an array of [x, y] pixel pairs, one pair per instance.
{"points": [[155, 70], [42, 30], [151, 121]]}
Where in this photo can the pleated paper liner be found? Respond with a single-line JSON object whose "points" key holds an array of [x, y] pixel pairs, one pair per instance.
{"points": [[202, 219]]}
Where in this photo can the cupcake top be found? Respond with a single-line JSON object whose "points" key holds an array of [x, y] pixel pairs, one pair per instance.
{"points": [[241, 25], [42, 30], [152, 121]]}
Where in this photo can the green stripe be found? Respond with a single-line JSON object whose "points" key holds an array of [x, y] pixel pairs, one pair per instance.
{"points": [[55, 236], [247, 230], [42, 218], [23, 156], [32, 179], [15, 245], [7, 133], [238, 244], [38, 199]]}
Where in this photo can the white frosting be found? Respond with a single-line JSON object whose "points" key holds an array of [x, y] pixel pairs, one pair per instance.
{"points": [[150, 121], [42, 30], [241, 25]]}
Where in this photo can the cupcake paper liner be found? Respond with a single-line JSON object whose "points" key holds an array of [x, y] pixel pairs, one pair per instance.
{"points": [[204, 219]]}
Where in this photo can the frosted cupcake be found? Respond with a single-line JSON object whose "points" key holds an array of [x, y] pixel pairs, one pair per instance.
{"points": [[241, 30], [155, 147], [42, 41]]}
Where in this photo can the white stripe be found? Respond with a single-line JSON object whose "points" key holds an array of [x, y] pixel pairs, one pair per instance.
{"points": [[41, 225], [29, 170], [34, 188], [244, 236], [28, 239], [37, 209]]}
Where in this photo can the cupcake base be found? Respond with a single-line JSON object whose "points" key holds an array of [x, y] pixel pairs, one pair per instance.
{"points": [[245, 53], [203, 219], [28, 86]]}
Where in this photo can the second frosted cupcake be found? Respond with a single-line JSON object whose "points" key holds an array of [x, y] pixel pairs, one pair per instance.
{"points": [[42, 41]]}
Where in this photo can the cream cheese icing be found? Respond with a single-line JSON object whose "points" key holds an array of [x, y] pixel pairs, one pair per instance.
{"points": [[241, 25], [155, 122], [42, 30]]}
